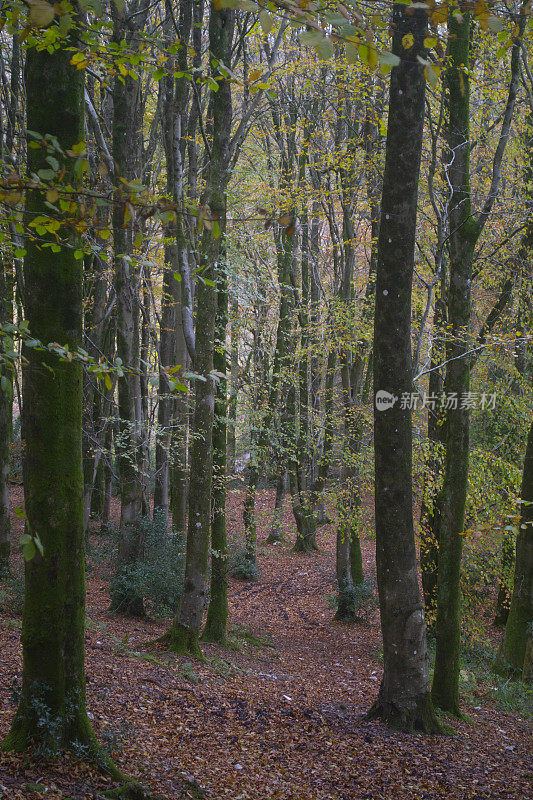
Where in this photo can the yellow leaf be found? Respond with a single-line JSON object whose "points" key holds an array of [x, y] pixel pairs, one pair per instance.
{"points": [[432, 72], [408, 41], [373, 57], [255, 74], [108, 381], [440, 15], [52, 195]]}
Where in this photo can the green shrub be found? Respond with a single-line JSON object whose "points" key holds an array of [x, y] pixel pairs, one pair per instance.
{"points": [[243, 566], [157, 575]]}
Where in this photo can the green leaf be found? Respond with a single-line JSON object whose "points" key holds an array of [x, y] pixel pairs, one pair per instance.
{"points": [[325, 49], [311, 38], [29, 550], [266, 21], [389, 58]]}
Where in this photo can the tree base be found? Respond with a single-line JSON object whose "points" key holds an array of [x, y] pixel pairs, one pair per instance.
{"points": [[184, 642], [215, 632], [443, 701], [421, 718], [305, 546]]}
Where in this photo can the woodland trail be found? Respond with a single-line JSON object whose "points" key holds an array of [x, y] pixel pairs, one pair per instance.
{"points": [[278, 721]]}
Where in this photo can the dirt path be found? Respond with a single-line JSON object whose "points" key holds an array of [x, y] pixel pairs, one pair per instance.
{"points": [[268, 722]]}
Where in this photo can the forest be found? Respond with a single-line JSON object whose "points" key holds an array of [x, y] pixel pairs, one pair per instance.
{"points": [[266, 430]]}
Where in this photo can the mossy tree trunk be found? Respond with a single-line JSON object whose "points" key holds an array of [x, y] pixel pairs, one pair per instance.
{"points": [[404, 698], [54, 604], [234, 386], [453, 497], [183, 635], [465, 230], [518, 629]]}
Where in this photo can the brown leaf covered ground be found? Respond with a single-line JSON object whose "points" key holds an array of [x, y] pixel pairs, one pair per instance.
{"points": [[269, 722]]}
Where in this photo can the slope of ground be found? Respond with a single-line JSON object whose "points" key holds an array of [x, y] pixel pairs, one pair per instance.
{"points": [[276, 721]]}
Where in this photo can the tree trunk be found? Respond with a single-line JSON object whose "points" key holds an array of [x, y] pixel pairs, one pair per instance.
{"points": [[129, 446], [465, 230], [54, 605], [430, 510], [179, 447], [217, 613], [518, 628], [167, 349], [276, 528], [463, 235], [404, 698], [6, 419], [184, 632], [234, 386], [175, 99]]}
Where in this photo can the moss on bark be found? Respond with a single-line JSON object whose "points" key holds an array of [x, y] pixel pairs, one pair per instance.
{"points": [[518, 627], [54, 605], [451, 503]]}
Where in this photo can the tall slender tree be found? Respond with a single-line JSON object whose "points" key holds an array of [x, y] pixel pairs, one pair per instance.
{"points": [[465, 229], [404, 697]]}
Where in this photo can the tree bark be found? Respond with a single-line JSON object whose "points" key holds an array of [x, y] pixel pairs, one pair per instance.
{"points": [[404, 698], [217, 612], [6, 420], [518, 628], [129, 445], [54, 605], [184, 632]]}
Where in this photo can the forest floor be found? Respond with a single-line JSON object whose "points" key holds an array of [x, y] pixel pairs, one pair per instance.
{"points": [[272, 720]]}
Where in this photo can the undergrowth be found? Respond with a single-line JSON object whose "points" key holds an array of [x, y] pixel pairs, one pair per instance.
{"points": [[157, 575]]}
